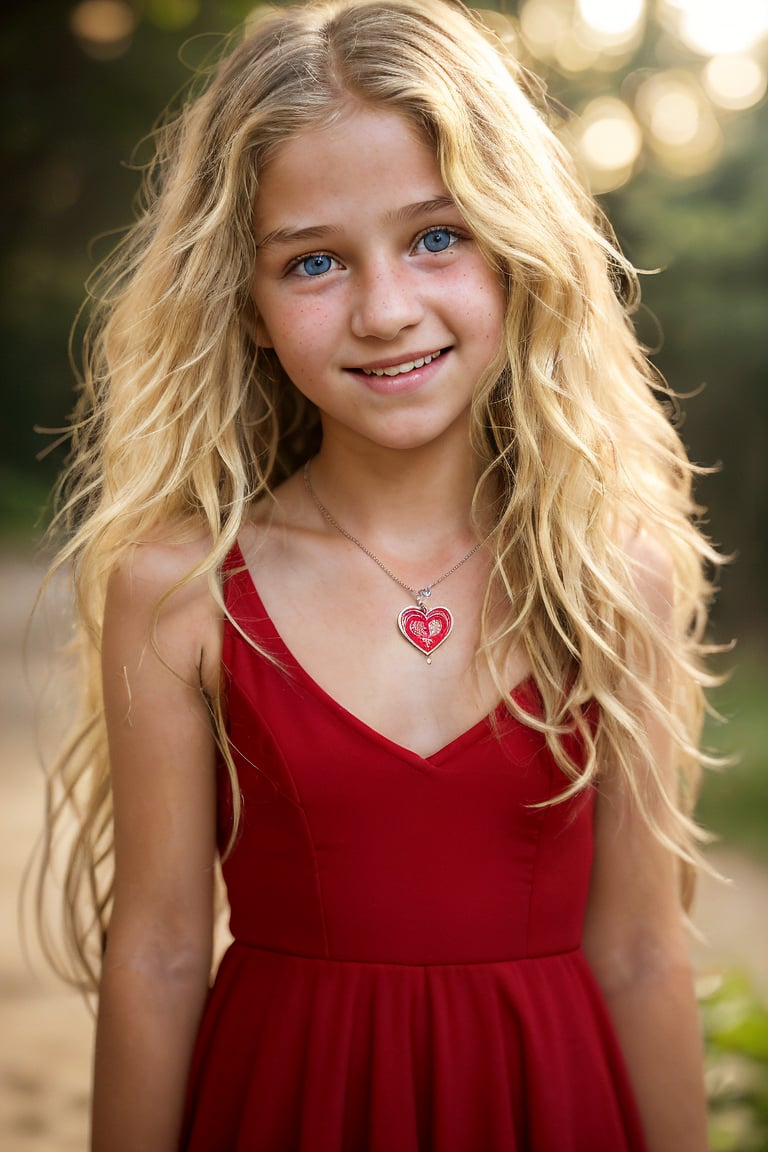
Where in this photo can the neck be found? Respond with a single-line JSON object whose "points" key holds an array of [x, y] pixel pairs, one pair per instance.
{"points": [[394, 500]]}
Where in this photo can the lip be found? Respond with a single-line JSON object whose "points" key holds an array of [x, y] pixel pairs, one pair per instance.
{"points": [[393, 361], [403, 382]]}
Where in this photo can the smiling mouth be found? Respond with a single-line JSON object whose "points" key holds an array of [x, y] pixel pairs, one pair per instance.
{"points": [[406, 366]]}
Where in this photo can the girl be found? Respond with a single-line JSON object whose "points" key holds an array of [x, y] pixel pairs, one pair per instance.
{"points": [[383, 542]]}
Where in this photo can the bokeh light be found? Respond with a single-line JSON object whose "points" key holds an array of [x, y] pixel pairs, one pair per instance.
{"points": [[572, 55], [501, 23], [579, 34], [543, 23], [610, 142], [678, 107], [675, 116], [103, 28], [735, 82], [681, 128]]}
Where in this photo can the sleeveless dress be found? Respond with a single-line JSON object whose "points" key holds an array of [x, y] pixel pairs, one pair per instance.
{"points": [[406, 972]]}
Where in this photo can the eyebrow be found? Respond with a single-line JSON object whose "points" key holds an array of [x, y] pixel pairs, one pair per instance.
{"points": [[319, 231]]}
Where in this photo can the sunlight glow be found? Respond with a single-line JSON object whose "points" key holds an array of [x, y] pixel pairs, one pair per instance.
{"points": [[735, 82], [616, 20], [713, 27], [573, 55]]}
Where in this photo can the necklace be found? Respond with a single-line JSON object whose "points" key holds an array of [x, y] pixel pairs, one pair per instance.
{"points": [[425, 628]]}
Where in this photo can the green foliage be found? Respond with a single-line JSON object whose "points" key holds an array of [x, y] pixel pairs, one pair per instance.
{"points": [[23, 506], [710, 238], [172, 14], [735, 1025], [734, 800]]}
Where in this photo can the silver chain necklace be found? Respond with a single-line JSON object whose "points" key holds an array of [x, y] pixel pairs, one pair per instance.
{"points": [[425, 628]]}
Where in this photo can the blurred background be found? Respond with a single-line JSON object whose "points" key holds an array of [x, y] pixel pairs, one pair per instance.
{"points": [[671, 129]]}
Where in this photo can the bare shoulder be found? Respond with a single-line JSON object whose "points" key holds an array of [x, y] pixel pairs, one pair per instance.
{"points": [[160, 563], [152, 596], [652, 569]]}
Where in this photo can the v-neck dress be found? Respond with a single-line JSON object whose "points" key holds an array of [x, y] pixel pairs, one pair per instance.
{"points": [[406, 972]]}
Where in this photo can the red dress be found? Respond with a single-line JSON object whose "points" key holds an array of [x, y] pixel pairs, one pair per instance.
{"points": [[406, 972]]}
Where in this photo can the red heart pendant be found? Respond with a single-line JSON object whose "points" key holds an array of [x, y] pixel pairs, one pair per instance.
{"points": [[426, 630]]}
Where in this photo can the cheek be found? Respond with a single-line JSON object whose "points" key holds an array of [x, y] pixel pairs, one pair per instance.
{"points": [[482, 292], [299, 323], [488, 310], [302, 338], [276, 326]]}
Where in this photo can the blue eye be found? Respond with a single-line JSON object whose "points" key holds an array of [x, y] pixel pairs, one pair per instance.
{"points": [[315, 265], [438, 239]]}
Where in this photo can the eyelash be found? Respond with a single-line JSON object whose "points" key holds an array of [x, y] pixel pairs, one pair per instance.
{"points": [[454, 233], [299, 260]]}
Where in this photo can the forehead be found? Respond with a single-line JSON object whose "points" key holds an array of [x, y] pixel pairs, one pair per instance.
{"points": [[368, 158]]}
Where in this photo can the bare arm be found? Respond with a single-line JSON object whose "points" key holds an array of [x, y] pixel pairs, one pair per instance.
{"points": [[635, 942], [162, 754]]}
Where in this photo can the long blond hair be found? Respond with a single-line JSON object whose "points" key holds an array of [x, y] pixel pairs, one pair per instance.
{"points": [[183, 419]]}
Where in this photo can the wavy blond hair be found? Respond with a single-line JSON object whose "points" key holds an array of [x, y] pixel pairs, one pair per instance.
{"points": [[182, 420]]}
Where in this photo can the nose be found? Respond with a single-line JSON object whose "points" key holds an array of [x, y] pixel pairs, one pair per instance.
{"points": [[386, 300]]}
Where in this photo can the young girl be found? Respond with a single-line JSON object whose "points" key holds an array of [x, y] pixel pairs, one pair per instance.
{"points": [[382, 540]]}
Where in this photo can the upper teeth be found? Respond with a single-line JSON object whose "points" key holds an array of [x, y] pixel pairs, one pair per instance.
{"points": [[407, 366]]}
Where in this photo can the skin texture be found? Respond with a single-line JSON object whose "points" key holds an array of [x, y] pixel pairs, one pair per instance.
{"points": [[397, 470], [400, 278], [156, 965], [367, 195]]}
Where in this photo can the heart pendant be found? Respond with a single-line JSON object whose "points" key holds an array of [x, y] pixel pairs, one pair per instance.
{"points": [[426, 630]]}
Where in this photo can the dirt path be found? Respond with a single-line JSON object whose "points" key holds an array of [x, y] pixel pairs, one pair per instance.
{"points": [[46, 1033], [45, 1029]]}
